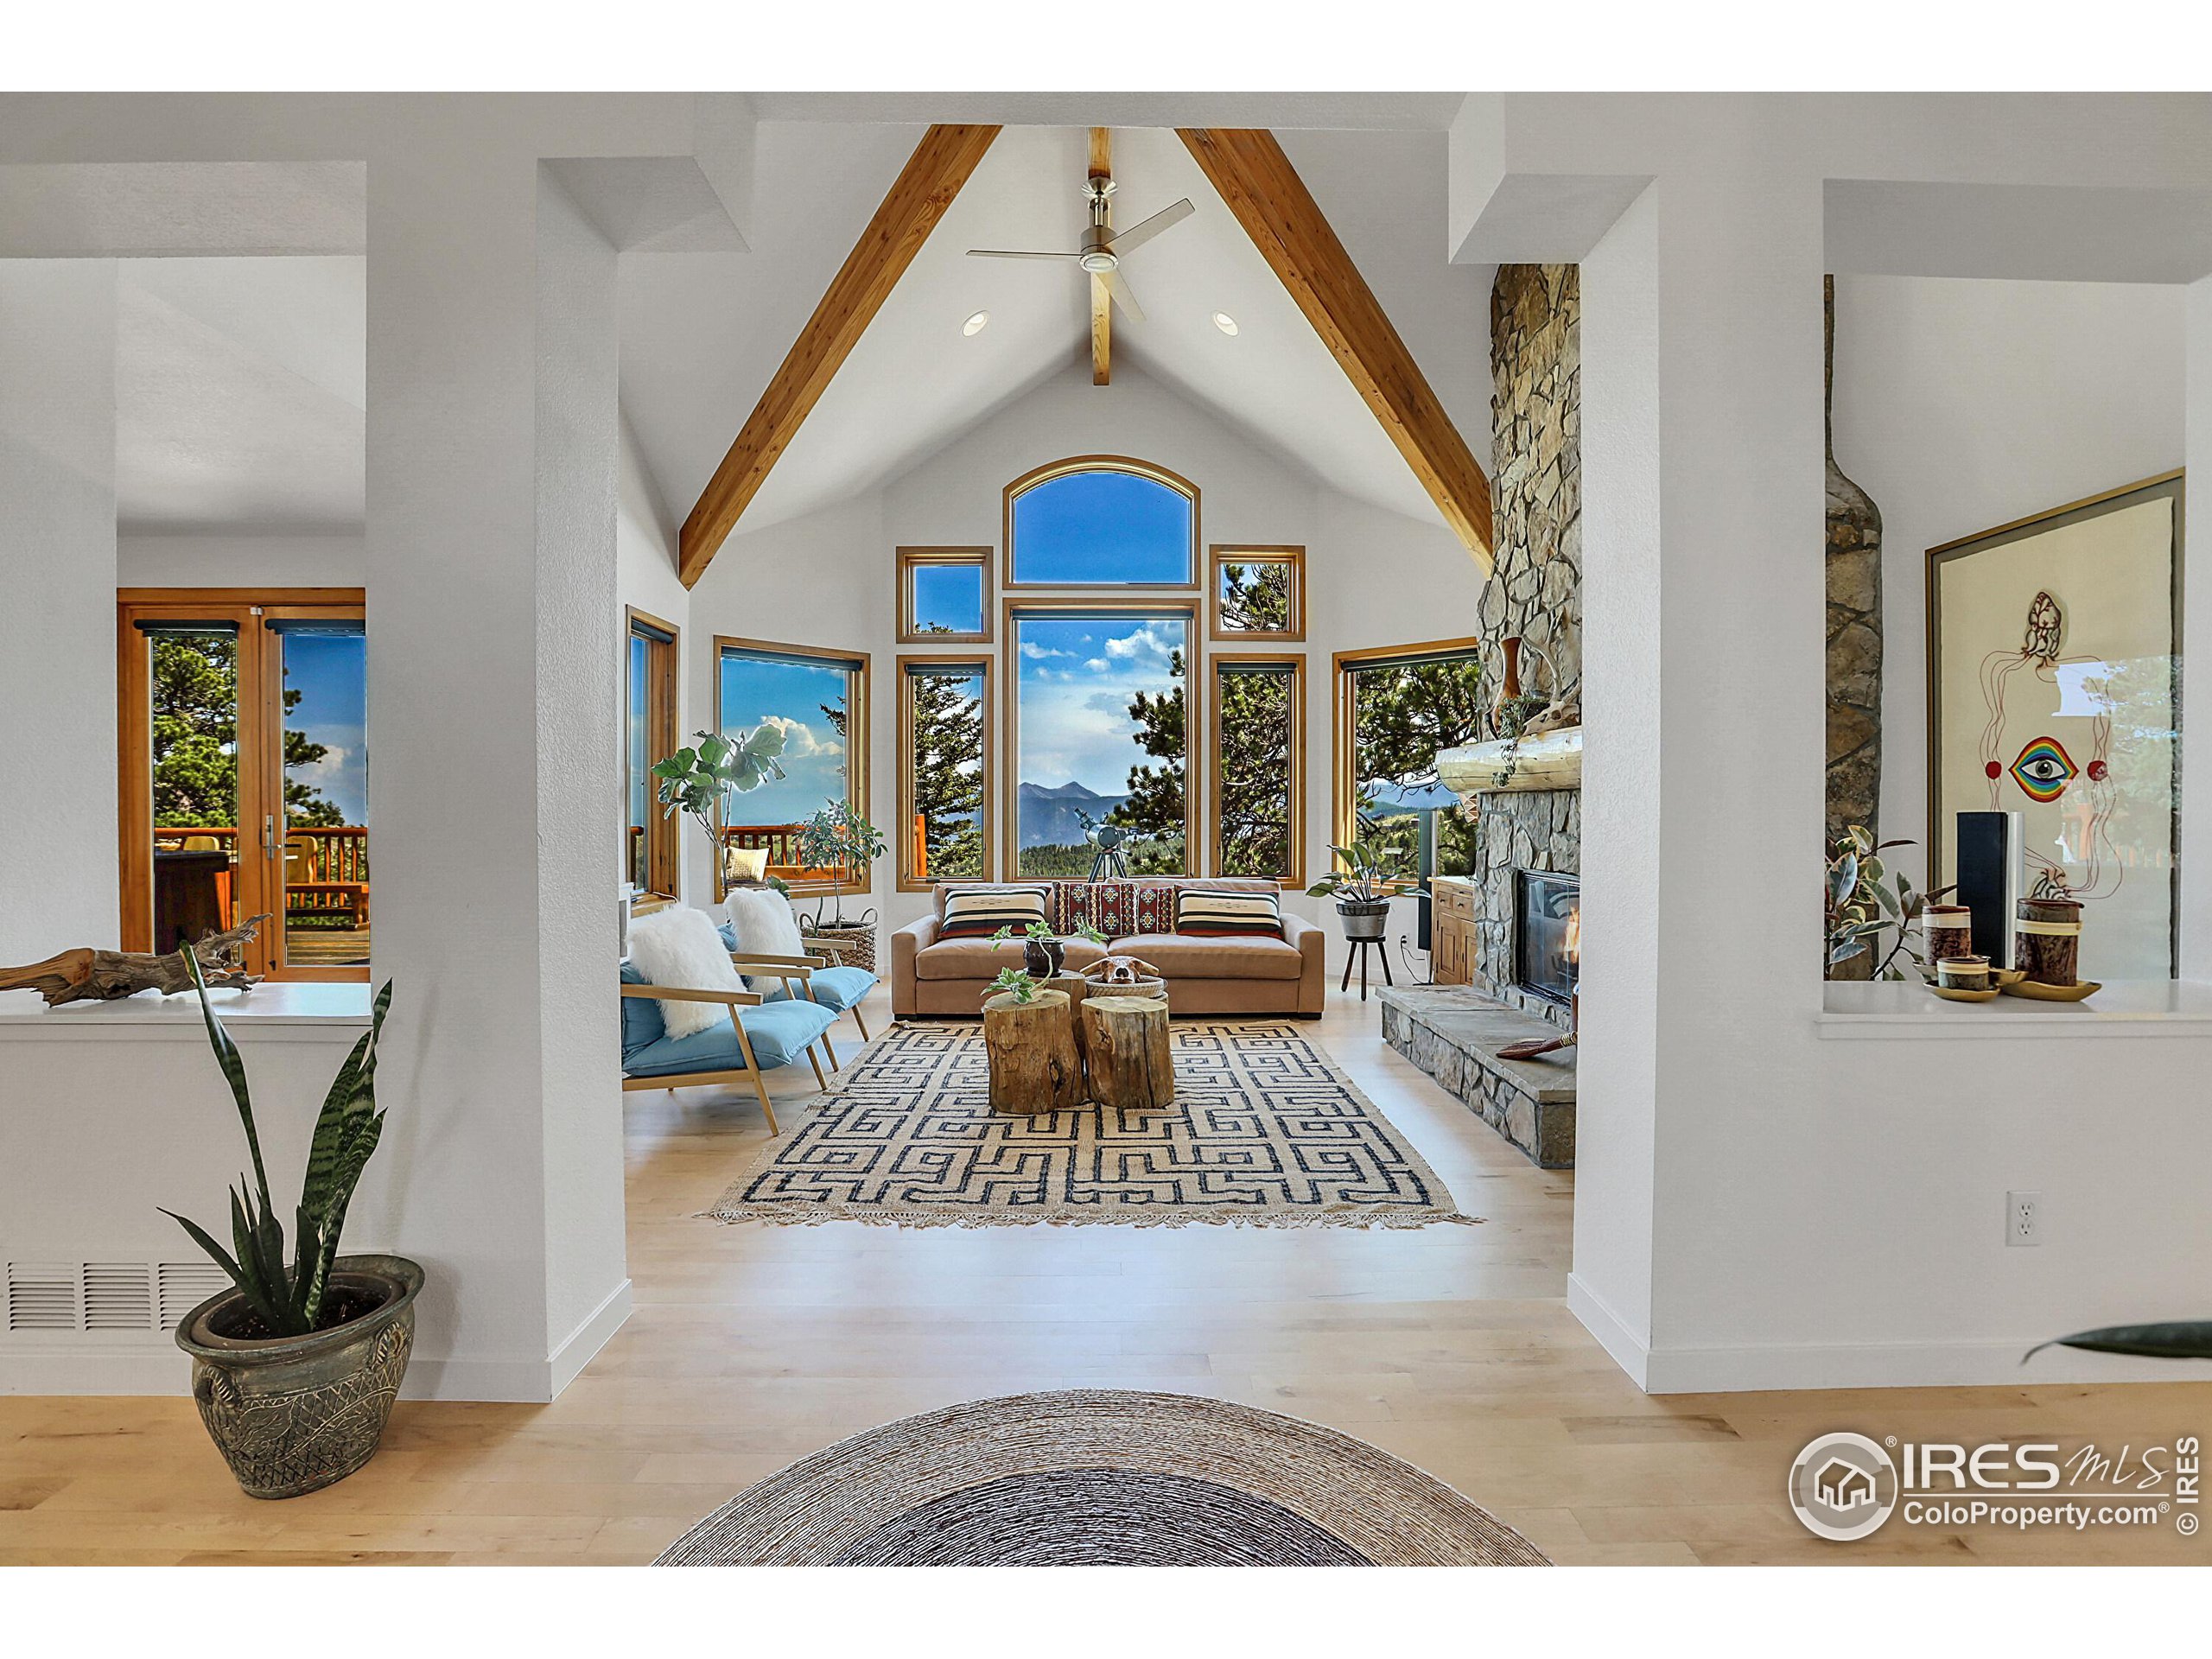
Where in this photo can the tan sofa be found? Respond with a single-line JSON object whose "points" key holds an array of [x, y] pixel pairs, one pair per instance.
{"points": [[1205, 975]]}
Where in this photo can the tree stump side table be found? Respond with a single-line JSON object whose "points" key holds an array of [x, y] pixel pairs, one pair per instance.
{"points": [[1126, 1040], [1029, 1048]]}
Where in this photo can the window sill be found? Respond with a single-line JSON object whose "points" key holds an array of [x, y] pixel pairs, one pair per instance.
{"points": [[273, 1011], [1908, 1011]]}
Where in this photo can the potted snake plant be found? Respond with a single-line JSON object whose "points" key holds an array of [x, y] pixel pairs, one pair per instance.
{"points": [[1372, 871], [295, 1367]]}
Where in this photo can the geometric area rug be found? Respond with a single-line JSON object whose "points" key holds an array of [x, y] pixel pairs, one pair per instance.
{"points": [[1264, 1131], [1100, 1477]]}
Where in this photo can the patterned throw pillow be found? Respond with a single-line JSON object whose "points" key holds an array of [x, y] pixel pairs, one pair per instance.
{"points": [[1072, 908], [1156, 907], [978, 912], [1228, 915]]}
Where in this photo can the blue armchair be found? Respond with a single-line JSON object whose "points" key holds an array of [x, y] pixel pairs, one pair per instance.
{"points": [[767, 1035], [817, 978]]}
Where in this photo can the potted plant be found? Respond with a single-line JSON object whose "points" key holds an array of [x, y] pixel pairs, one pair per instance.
{"points": [[1020, 985], [1857, 909], [294, 1368], [1373, 870], [1044, 953], [705, 779], [838, 839]]}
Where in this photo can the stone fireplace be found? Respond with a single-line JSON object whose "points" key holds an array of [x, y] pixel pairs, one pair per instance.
{"points": [[1547, 935], [1526, 842]]}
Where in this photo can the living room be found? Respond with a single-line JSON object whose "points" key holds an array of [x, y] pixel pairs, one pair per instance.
{"points": [[982, 661]]}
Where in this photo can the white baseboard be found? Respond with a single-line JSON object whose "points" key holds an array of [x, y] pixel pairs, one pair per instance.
{"points": [[592, 1334], [1612, 1332], [1899, 1366]]}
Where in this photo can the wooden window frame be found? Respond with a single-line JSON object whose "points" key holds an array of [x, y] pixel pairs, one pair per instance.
{"points": [[986, 666], [908, 560], [1072, 464], [260, 753], [1342, 665], [1231, 661], [1185, 610], [1227, 553], [663, 733], [859, 707]]}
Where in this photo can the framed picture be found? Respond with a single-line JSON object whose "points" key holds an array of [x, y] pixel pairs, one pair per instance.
{"points": [[2054, 691]]}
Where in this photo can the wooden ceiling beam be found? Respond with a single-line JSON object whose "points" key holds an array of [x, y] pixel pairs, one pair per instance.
{"points": [[918, 198], [1101, 303], [1247, 166]]}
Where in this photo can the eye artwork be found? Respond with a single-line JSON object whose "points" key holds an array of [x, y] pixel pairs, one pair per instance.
{"points": [[2043, 770]]}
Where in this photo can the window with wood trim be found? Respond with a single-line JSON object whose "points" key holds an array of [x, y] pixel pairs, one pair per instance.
{"points": [[243, 776], [944, 595], [1101, 520], [944, 832], [1395, 708], [1258, 729], [820, 698], [651, 731], [1256, 595]]}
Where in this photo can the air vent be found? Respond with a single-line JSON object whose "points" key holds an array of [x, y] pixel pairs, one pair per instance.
{"points": [[118, 1296], [41, 1297], [184, 1284]]}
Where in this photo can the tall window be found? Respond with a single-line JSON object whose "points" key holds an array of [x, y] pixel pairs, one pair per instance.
{"points": [[1101, 520], [820, 700], [1396, 710], [944, 832], [245, 775], [1258, 746], [1100, 738], [651, 734]]}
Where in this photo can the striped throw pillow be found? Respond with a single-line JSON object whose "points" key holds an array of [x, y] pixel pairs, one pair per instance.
{"points": [[978, 912], [1209, 913]]}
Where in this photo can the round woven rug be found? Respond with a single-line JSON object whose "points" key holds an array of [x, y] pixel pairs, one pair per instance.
{"points": [[1100, 1478]]}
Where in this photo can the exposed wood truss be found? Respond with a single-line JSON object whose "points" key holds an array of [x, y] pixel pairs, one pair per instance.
{"points": [[1101, 303], [1255, 179], [925, 189]]}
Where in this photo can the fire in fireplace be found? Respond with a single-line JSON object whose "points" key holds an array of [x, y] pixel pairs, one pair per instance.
{"points": [[1546, 934]]}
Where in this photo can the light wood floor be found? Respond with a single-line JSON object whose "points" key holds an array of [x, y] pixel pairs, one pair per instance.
{"points": [[751, 1345]]}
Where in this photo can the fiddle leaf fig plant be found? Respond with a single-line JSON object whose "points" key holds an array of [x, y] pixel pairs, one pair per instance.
{"points": [[291, 1302], [704, 778]]}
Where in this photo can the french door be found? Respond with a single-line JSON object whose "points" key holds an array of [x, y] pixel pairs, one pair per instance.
{"points": [[244, 783]]}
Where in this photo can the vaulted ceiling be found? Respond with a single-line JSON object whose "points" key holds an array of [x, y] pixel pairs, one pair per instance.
{"points": [[704, 333]]}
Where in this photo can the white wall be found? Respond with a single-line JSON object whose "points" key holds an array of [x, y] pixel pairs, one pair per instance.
{"points": [[242, 558], [646, 564], [1374, 578], [1961, 404]]}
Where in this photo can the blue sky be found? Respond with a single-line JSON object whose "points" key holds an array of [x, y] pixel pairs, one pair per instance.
{"points": [[949, 596], [329, 669], [1076, 677], [1102, 527], [755, 692]]}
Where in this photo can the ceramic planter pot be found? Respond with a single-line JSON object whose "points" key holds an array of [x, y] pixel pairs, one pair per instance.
{"points": [[292, 1414], [1043, 957], [1364, 918]]}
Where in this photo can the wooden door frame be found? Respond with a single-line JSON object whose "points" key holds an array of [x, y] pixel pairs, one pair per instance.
{"points": [[664, 722]]}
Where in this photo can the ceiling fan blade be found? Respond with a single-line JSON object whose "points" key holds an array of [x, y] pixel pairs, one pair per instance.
{"points": [[1012, 253], [1118, 286], [1144, 230]]}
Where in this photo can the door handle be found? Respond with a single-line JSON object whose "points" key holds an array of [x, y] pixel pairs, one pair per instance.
{"points": [[269, 834]]}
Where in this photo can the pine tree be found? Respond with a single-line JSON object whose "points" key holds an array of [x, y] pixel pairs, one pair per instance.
{"points": [[1154, 809], [1254, 773], [947, 728], [1255, 598], [195, 735]]}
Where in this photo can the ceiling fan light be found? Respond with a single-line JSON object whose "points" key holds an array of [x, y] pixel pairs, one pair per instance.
{"points": [[977, 323], [1097, 262], [1226, 323]]}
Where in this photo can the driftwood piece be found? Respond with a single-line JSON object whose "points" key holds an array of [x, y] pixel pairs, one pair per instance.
{"points": [[1030, 1047], [1126, 1039], [85, 975]]}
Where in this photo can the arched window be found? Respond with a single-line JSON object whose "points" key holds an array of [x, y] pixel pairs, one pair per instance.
{"points": [[1101, 520]]}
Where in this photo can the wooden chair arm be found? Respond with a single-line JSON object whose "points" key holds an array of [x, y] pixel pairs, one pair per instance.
{"points": [[683, 993], [743, 960], [833, 948]]}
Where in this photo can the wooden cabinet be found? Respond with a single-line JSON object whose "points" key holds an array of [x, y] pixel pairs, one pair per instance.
{"points": [[1451, 929]]}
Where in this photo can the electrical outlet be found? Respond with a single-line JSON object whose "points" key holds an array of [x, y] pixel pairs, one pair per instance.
{"points": [[2023, 1218]]}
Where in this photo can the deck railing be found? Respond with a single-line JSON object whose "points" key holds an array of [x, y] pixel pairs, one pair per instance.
{"points": [[318, 860], [780, 840]]}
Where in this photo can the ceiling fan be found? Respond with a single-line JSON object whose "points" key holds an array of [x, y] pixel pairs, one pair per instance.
{"points": [[1104, 247]]}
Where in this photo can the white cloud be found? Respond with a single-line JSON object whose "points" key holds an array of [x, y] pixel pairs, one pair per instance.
{"points": [[1097, 664], [1037, 653], [800, 742]]}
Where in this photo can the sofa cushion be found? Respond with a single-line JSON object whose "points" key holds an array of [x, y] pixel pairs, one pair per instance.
{"points": [[641, 1023], [979, 912], [983, 958], [779, 1034], [841, 988], [1208, 912], [1180, 955]]}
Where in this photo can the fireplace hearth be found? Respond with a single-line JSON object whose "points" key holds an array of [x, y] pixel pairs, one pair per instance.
{"points": [[1547, 935]]}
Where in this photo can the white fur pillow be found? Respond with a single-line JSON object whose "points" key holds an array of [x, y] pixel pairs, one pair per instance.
{"points": [[679, 947], [761, 920]]}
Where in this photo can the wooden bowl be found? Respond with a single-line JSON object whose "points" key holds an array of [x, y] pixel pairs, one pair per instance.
{"points": [[1951, 994], [2033, 992]]}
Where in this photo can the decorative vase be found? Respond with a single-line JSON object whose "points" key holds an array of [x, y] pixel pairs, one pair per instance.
{"points": [[1949, 929], [1364, 918], [2049, 947], [293, 1414], [1043, 957], [1508, 685]]}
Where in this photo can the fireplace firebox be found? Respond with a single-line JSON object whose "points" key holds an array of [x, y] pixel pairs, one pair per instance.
{"points": [[1546, 934]]}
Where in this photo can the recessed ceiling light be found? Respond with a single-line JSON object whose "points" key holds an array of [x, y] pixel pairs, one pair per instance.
{"points": [[975, 323], [1226, 323]]}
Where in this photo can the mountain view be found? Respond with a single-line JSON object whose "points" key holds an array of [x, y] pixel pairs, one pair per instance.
{"points": [[1054, 817]]}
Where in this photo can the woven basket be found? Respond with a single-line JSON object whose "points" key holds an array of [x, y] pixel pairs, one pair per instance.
{"points": [[857, 943]]}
